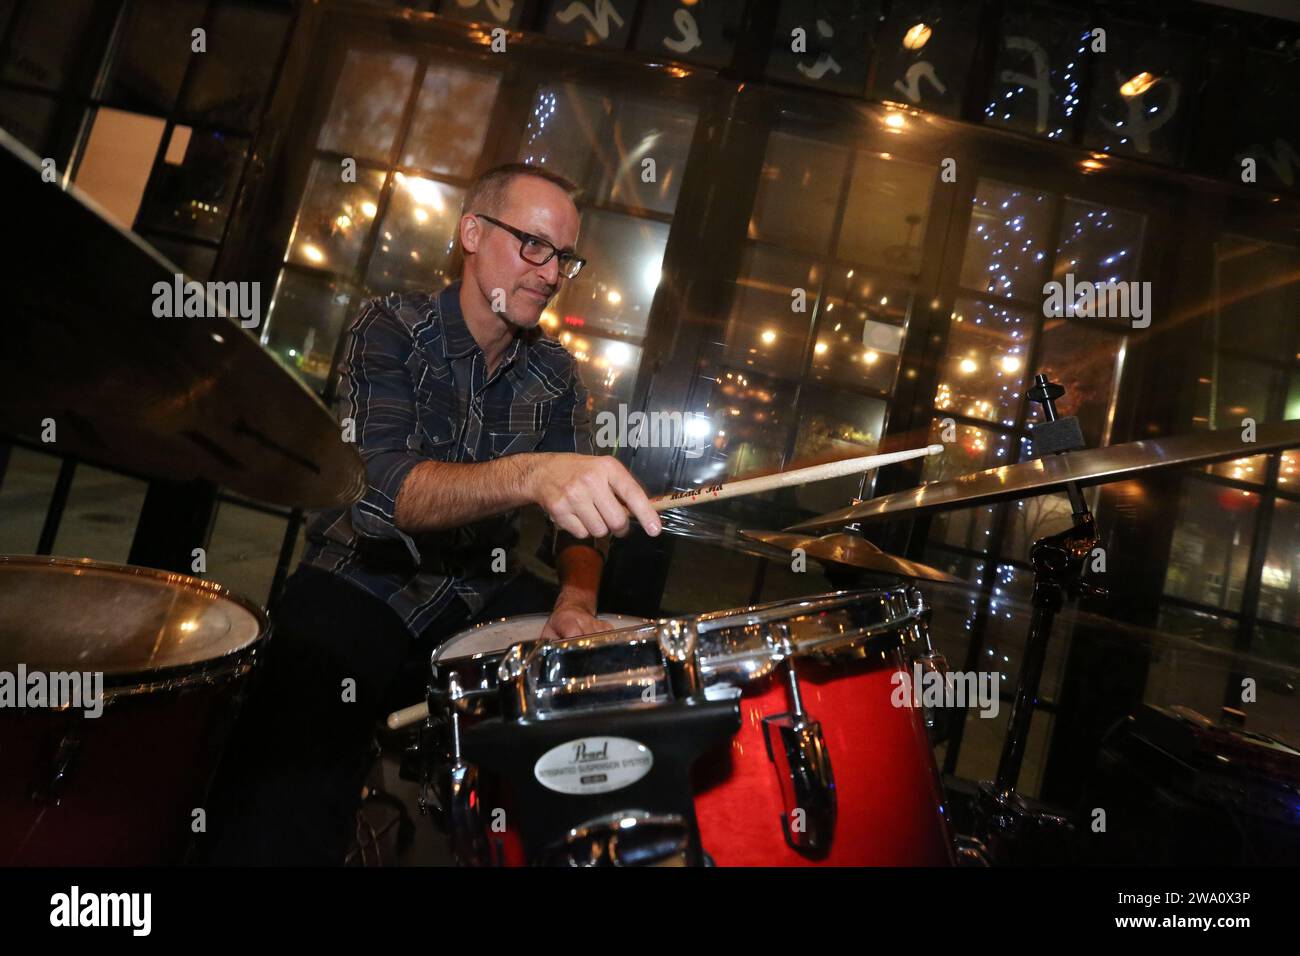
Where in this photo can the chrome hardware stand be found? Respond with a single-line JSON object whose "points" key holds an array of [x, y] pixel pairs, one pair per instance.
{"points": [[1003, 817]]}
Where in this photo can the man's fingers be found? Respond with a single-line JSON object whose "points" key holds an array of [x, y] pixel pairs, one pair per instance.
{"points": [[612, 512], [630, 491], [571, 524], [591, 519]]}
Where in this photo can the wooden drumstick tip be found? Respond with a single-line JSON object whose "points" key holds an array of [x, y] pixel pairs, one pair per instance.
{"points": [[934, 449], [408, 715]]}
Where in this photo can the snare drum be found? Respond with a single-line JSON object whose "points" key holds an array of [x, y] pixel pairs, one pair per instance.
{"points": [[817, 768], [120, 788]]}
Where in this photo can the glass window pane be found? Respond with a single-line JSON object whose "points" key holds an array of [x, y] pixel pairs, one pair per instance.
{"points": [[150, 65], [304, 321], [1211, 545], [975, 449], [832, 426], [24, 497], [1016, 101], [194, 197], [417, 237], [1008, 241], [984, 368], [613, 292], [1086, 360], [1289, 470], [599, 141], [244, 549], [860, 332], [1098, 243], [476, 11], [100, 518], [368, 102], [886, 214], [1242, 469], [46, 41], [1279, 595], [334, 218], [451, 119], [1232, 389], [608, 369], [763, 332], [231, 80], [749, 416], [1258, 295], [798, 193], [118, 159]]}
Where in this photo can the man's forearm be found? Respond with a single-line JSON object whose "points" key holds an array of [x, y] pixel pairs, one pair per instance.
{"points": [[579, 567], [436, 495]]}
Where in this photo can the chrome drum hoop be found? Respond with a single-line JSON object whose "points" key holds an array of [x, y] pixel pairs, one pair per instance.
{"points": [[624, 667]]}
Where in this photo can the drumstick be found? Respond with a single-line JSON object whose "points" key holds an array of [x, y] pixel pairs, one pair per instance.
{"points": [[783, 479], [408, 715]]}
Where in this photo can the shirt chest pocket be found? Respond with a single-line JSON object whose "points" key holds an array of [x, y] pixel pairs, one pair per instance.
{"points": [[517, 429], [437, 419]]}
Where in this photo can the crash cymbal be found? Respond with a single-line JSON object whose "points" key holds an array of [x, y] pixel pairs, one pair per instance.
{"points": [[177, 398], [851, 551], [1091, 466]]}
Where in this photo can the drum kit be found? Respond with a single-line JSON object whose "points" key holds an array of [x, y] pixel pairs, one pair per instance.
{"points": [[760, 736]]}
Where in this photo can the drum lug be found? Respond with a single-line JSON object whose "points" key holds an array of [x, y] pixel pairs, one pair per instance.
{"points": [[512, 677], [679, 649], [803, 768], [625, 838]]}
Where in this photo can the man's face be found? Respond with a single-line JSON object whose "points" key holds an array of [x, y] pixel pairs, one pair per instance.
{"points": [[492, 259]]}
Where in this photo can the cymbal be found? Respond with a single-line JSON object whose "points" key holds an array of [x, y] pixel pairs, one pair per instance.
{"points": [[177, 398], [851, 551], [1090, 466]]}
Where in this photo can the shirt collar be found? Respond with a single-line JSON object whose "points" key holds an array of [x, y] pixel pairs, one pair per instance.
{"points": [[458, 341]]}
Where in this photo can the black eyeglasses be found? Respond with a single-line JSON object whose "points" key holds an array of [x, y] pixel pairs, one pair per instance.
{"points": [[537, 251]]}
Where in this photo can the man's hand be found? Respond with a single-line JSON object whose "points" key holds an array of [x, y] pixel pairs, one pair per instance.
{"points": [[589, 496], [571, 620]]}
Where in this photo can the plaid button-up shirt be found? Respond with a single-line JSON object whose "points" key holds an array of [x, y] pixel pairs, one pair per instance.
{"points": [[416, 386]]}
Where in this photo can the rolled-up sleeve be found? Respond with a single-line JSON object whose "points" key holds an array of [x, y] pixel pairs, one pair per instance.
{"points": [[376, 393], [570, 431]]}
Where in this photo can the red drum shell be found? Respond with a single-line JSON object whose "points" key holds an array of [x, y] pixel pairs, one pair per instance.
{"points": [[890, 804]]}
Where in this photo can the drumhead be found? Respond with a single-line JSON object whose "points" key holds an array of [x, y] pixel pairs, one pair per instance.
{"points": [[64, 614], [494, 636]]}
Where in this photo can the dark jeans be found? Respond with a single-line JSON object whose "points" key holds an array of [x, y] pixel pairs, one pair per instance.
{"points": [[290, 783]]}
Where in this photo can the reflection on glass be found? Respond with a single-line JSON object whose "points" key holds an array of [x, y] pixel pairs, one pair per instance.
{"points": [[974, 449], [1257, 293], [832, 426], [1207, 628], [1289, 471], [24, 497], [984, 367], [764, 333], [334, 218], [195, 197], [860, 332], [1279, 594], [798, 192], [1086, 360], [1242, 469], [1029, 519], [194, 260], [1232, 389], [601, 142], [1211, 546], [608, 369], [451, 119], [1098, 244], [305, 318], [414, 248], [100, 517], [744, 426], [1007, 244], [367, 106], [229, 88], [150, 64], [612, 294], [886, 213], [1061, 44]]}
